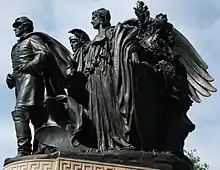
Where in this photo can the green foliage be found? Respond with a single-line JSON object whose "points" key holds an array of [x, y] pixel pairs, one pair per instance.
{"points": [[196, 160]]}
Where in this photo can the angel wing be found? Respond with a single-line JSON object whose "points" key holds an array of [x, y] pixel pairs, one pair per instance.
{"points": [[197, 75]]}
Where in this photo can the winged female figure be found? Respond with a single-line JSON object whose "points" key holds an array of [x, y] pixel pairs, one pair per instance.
{"points": [[183, 73]]}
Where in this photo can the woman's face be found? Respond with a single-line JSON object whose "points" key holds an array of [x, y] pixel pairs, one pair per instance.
{"points": [[96, 21]]}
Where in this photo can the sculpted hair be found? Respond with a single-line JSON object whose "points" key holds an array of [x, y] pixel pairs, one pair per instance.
{"points": [[105, 15]]}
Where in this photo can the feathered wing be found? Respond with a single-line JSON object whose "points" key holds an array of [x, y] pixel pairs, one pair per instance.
{"points": [[197, 75]]}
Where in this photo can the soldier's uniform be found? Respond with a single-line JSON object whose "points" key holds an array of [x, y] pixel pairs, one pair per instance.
{"points": [[42, 67], [29, 88]]}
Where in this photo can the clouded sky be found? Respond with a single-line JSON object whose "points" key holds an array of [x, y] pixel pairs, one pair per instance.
{"points": [[198, 20]]}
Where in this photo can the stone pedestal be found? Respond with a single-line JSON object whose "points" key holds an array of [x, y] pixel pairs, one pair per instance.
{"points": [[67, 164], [123, 160]]}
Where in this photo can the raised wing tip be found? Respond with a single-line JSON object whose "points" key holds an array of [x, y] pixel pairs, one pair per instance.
{"points": [[214, 90], [211, 79]]}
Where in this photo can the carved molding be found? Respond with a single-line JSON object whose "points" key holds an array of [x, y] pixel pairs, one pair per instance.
{"points": [[32, 165], [68, 164]]}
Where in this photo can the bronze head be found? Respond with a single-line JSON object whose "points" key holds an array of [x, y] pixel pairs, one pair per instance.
{"points": [[102, 17], [22, 25], [77, 38]]}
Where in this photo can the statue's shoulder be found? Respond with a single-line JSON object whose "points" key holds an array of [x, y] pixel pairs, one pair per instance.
{"points": [[30, 36], [130, 22], [38, 36], [25, 40]]}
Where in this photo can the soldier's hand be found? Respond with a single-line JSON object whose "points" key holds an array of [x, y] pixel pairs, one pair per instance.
{"points": [[10, 81]]}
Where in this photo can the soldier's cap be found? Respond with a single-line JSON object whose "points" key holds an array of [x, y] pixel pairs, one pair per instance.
{"points": [[21, 20]]}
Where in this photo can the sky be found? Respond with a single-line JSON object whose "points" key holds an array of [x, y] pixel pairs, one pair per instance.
{"points": [[198, 20]]}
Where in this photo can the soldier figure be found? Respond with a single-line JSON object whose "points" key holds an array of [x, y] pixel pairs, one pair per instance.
{"points": [[27, 56]]}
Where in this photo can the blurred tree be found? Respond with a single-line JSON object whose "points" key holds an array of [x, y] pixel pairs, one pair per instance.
{"points": [[196, 160]]}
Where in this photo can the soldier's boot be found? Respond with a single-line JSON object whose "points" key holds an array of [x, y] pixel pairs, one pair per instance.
{"points": [[23, 132]]}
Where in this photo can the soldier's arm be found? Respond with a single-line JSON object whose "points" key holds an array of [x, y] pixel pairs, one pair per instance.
{"points": [[10, 77], [40, 51]]}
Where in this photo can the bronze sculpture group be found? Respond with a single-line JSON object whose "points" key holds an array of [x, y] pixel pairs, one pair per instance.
{"points": [[127, 89]]}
